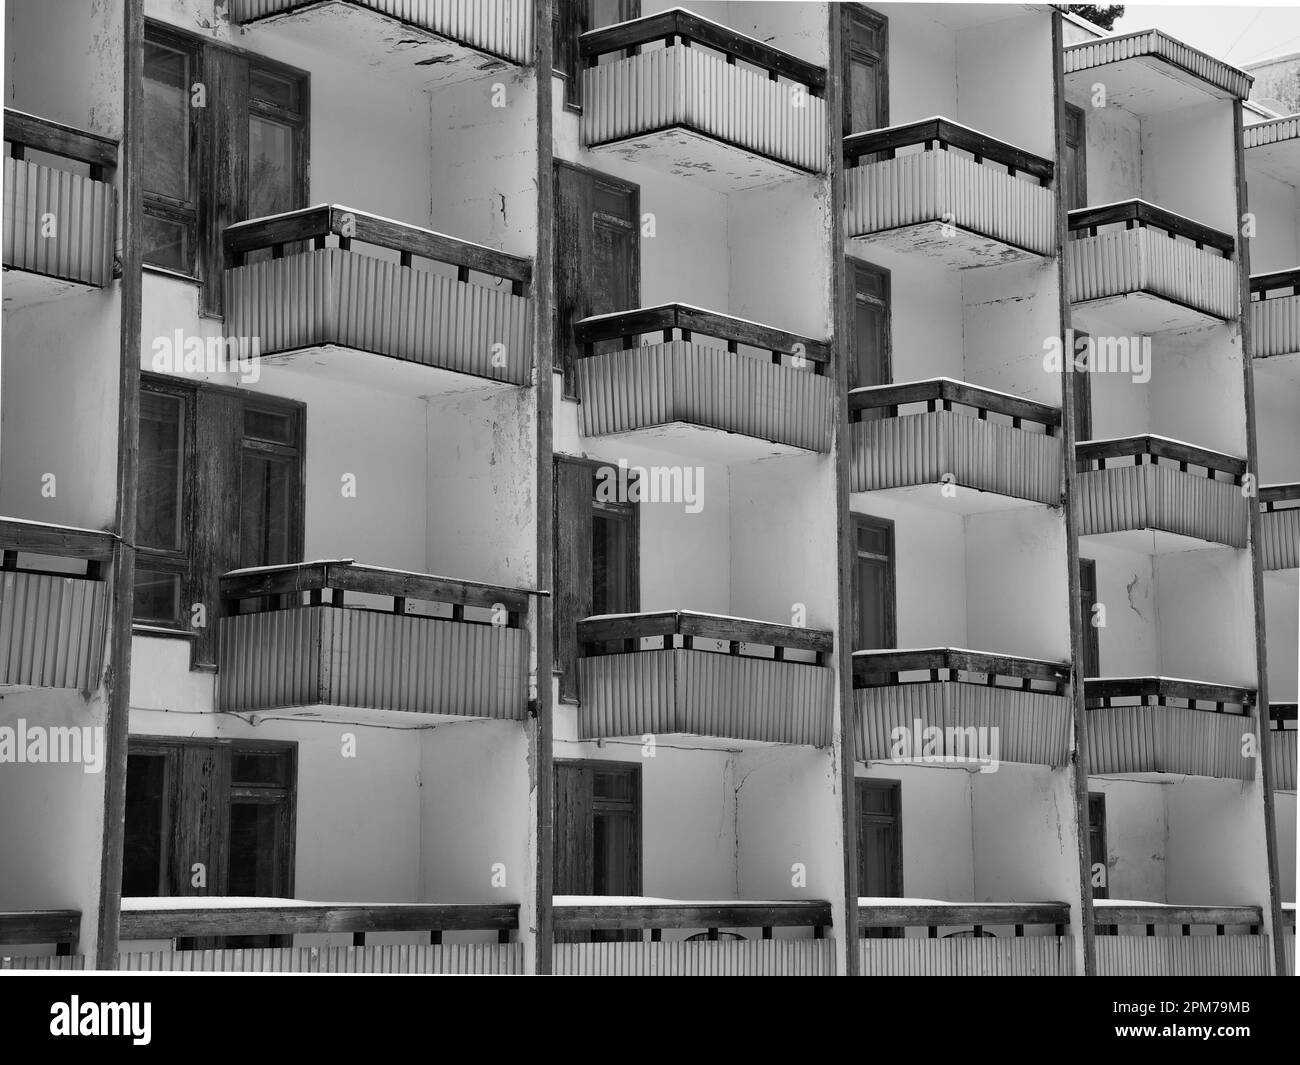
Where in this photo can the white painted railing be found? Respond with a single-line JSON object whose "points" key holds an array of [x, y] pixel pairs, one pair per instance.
{"points": [[1275, 326], [1199, 955], [722, 957], [1145, 260], [446, 958], [51, 630], [982, 956], [58, 223]]}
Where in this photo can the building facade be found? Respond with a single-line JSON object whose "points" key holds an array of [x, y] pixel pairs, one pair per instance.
{"points": [[799, 488]]}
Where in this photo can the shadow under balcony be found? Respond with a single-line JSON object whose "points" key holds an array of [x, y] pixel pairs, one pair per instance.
{"points": [[676, 671], [53, 605], [975, 201], [411, 42], [947, 706], [1275, 314], [695, 99], [1180, 940], [60, 209], [1279, 525], [1282, 744], [321, 307], [1139, 725], [406, 642], [1151, 494], [1160, 271], [959, 939], [710, 385], [995, 452]]}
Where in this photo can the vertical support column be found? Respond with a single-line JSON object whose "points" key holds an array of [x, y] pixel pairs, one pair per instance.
{"points": [[1078, 713]]}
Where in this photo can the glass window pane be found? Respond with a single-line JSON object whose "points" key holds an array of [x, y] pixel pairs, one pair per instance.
{"points": [[869, 344], [270, 167], [161, 480], [611, 565], [273, 89], [254, 849], [872, 540], [157, 597], [878, 846], [872, 605], [613, 840], [258, 767], [167, 244], [143, 844], [166, 136], [613, 786], [876, 800], [269, 425], [864, 95], [267, 487]]}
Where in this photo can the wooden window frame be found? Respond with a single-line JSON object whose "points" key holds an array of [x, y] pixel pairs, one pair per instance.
{"points": [[1098, 799], [858, 267], [1091, 638], [876, 22], [1080, 145], [884, 525]]}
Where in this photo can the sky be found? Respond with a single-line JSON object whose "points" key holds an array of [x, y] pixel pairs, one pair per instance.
{"points": [[1237, 33]]}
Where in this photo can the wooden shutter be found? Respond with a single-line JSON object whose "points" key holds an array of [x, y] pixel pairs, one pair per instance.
{"points": [[203, 811], [871, 363], [226, 189], [574, 488], [573, 240], [218, 429]]}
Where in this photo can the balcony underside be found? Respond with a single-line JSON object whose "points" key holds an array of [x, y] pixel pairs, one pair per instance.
{"points": [[704, 693], [957, 247], [399, 39], [362, 368], [686, 152], [1134, 740], [24, 288], [1192, 509], [1149, 72], [1137, 314]]}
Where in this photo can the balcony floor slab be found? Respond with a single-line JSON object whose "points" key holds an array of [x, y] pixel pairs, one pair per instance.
{"points": [[698, 442], [962, 500], [685, 153], [1153, 542], [366, 369], [960, 249], [22, 288], [1137, 313], [1283, 370]]}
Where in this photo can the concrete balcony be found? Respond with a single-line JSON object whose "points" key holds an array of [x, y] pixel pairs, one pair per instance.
{"points": [[976, 201], [1279, 525], [1161, 271], [1140, 725], [146, 921], [27, 936], [415, 42], [947, 706], [53, 605], [680, 672], [708, 385], [1275, 314], [60, 209], [959, 938], [1282, 744], [1176, 495], [994, 452], [704, 938], [435, 646], [688, 96], [1180, 940], [460, 321]]}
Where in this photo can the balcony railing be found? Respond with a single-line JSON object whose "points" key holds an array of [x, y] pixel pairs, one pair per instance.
{"points": [[1282, 744], [308, 296], [1163, 725], [1151, 482], [971, 208], [40, 928], [52, 621], [782, 395], [442, 646], [500, 28], [707, 85], [1180, 940], [1001, 454], [1279, 525], [1275, 313], [1158, 252], [676, 671], [971, 948], [1152, 66], [170, 919], [948, 706], [58, 221], [730, 938]]}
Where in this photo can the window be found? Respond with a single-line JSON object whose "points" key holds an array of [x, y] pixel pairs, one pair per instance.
{"points": [[866, 59], [1082, 395], [598, 832], [570, 19], [880, 845], [873, 583], [1088, 599], [597, 256], [870, 362], [597, 547], [1074, 163], [248, 470], [239, 152]]}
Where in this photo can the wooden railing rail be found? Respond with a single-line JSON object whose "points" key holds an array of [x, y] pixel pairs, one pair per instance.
{"points": [[942, 134], [24, 132], [1085, 221], [682, 627], [940, 393], [1147, 449], [877, 669]]}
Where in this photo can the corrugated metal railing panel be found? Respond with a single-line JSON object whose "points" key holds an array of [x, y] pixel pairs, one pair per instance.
{"points": [[719, 957], [44, 961], [1169, 739], [51, 630], [1019, 956], [1277, 129], [1280, 538], [448, 958], [499, 27], [681, 86], [706, 694], [1282, 744], [921, 448], [1031, 727], [1275, 326], [1182, 956], [1089, 54], [942, 187], [1288, 942], [1146, 260], [1161, 497], [58, 223], [690, 382], [344, 657], [331, 296]]}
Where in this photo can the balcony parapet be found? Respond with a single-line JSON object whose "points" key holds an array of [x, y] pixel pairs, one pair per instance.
{"points": [[1279, 525], [1282, 744], [1275, 313]]}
